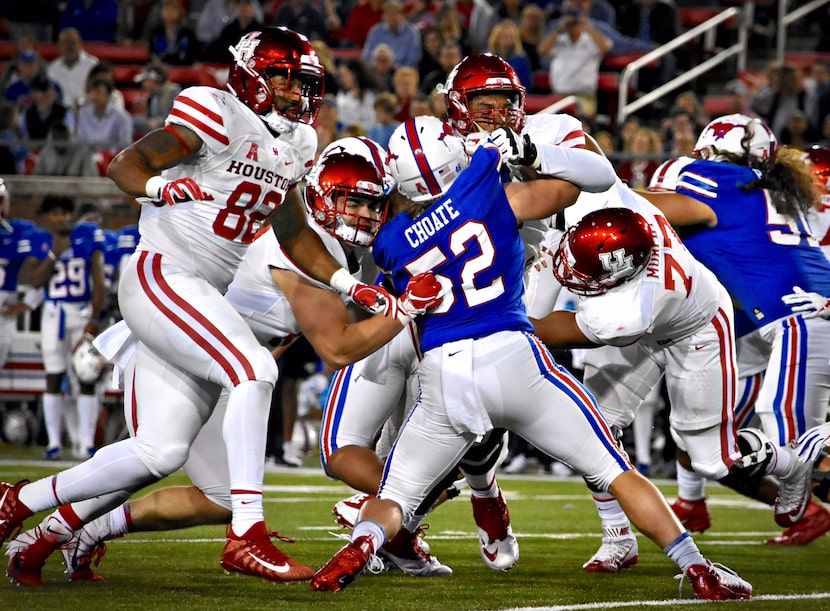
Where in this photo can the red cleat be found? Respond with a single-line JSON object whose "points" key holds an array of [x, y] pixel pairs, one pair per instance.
{"points": [[497, 546], [344, 567], [813, 524], [712, 582], [693, 515], [254, 554], [29, 551], [12, 511]]}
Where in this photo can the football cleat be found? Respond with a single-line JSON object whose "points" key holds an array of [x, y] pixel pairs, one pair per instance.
{"points": [[405, 552], [85, 549], [254, 554], [813, 524], [346, 511], [693, 515], [618, 551], [715, 582], [344, 567], [12, 511], [498, 547], [53, 454], [794, 493], [28, 552]]}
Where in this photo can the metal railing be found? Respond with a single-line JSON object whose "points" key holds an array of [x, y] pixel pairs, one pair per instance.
{"points": [[785, 19], [708, 29]]}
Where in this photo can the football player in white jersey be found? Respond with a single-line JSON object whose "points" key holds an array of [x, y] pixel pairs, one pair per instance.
{"points": [[225, 164], [347, 200]]}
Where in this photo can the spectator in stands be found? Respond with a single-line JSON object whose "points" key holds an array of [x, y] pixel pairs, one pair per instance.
{"points": [[448, 58], [818, 96], [326, 58], [94, 19], [683, 141], [161, 92], [679, 121], [35, 18], [45, 111], [531, 31], [102, 124], [244, 22], [11, 73], [216, 14], [798, 133], [419, 106], [438, 104], [62, 156], [450, 22], [651, 21], [691, 103], [394, 30], [430, 48], [71, 68], [783, 94], [405, 86], [606, 142], [360, 20], [506, 42], [485, 16], [303, 17], [739, 97], [29, 67], [575, 49], [173, 42], [382, 64], [12, 151], [133, 17], [645, 148], [326, 123], [385, 122], [104, 70], [357, 92]]}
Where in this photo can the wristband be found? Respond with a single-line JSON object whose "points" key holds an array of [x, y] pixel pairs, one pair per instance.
{"points": [[51, 254], [153, 186], [342, 281]]}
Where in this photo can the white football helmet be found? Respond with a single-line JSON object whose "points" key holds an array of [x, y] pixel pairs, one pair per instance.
{"points": [[737, 134], [364, 147], [666, 175], [87, 362], [425, 157]]}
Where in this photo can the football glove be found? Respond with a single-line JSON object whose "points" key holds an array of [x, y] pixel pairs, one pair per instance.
{"points": [[174, 192], [373, 299], [809, 305], [516, 149], [423, 293]]}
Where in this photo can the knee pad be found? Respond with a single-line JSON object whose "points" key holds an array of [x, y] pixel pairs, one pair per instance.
{"points": [[265, 367], [162, 459], [483, 456], [756, 454]]}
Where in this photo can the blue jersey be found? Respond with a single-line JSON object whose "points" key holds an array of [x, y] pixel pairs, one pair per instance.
{"points": [[128, 240], [756, 252], [21, 242], [469, 238], [71, 279], [112, 256]]}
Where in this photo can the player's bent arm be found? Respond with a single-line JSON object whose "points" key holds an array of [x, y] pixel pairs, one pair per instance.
{"points": [[157, 151], [298, 240], [540, 199], [96, 273], [591, 172], [325, 322], [560, 330], [681, 209], [36, 273]]}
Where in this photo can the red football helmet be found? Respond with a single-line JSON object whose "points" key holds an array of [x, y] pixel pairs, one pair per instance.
{"points": [[337, 187], [484, 73], [604, 249], [819, 157], [258, 57]]}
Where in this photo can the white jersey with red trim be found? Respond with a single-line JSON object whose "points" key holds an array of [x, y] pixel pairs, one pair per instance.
{"points": [[244, 167], [670, 300], [559, 129], [820, 225]]}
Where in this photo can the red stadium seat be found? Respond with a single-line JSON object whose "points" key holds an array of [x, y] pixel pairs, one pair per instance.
{"points": [[192, 75], [130, 53], [534, 103], [716, 105]]}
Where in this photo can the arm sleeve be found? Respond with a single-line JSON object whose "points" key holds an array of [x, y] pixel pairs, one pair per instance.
{"points": [[587, 170]]}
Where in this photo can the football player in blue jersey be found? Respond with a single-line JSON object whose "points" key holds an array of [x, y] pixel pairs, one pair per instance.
{"points": [[750, 202], [482, 366], [74, 299]]}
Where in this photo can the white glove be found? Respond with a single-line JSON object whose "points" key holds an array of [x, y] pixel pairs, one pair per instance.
{"points": [[809, 445], [473, 141], [810, 305], [515, 149]]}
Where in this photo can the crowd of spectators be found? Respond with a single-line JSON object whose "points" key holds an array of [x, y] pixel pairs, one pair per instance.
{"points": [[385, 61]]}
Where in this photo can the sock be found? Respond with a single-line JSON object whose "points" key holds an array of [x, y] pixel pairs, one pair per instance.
{"points": [[52, 414], [244, 431], [783, 462], [67, 515], [690, 485], [374, 533], [483, 486], [609, 510], [88, 409], [683, 551]]}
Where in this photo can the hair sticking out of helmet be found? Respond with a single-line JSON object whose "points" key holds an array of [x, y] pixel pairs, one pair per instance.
{"points": [[364, 147], [277, 74], [425, 158], [666, 175], [346, 196], [604, 249], [482, 74], [738, 136], [819, 157]]}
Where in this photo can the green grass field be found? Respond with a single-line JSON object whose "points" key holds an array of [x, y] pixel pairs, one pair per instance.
{"points": [[553, 518]]}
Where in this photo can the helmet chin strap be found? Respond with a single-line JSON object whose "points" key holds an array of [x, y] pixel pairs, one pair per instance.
{"points": [[276, 122]]}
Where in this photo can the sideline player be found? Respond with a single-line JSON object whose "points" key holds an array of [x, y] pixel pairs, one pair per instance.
{"points": [[482, 367], [225, 164]]}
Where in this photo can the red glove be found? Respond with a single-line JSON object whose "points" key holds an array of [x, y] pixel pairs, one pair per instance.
{"points": [[182, 190], [423, 293], [373, 299]]}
